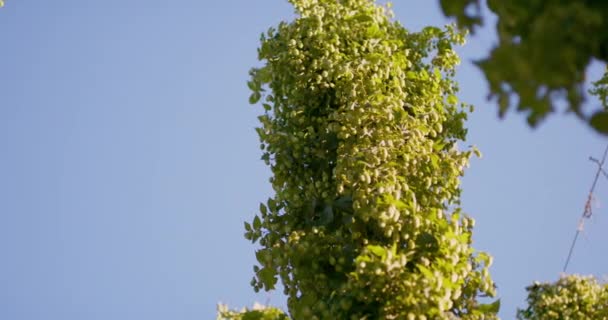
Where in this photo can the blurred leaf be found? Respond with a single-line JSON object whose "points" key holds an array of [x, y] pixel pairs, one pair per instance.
{"points": [[326, 216], [253, 315], [599, 121], [452, 99], [344, 203], [425, 271]]}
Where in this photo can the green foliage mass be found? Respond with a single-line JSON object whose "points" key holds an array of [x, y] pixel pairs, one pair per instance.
{"points": [[257, 313], [570, 298], [544, 48], [360, 129]]}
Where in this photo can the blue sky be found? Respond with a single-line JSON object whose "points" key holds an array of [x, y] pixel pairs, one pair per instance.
{"points": [[129, 162]]}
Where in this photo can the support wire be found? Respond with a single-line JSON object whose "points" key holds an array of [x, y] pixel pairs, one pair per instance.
{"points": [[587, 212]]}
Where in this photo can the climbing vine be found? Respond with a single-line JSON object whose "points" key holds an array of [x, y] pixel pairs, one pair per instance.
{"points": [[361, 131]]}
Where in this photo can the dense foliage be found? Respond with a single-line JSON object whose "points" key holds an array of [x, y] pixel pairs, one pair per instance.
{"points": [[544, 48], [571, 297], [258, 312], [360, 130]]}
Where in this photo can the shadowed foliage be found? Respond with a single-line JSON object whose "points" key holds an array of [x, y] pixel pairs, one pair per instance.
{"points": [[544, 48]]}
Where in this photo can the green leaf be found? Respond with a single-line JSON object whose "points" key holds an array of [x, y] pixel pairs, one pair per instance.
{"points": [[425, 271], [263, 209], [257, 223], [363, 18], [272, 205], [599, 122], [435, 160], [432, 30], [476, 152], [437, 73], [373, 31], [255, 97], [269, 277], [493, 307], [452, 99], [253, 315], [377, 250]]}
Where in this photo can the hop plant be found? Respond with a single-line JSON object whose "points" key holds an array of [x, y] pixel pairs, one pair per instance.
{"points": [[572, 297], [360, 128]]}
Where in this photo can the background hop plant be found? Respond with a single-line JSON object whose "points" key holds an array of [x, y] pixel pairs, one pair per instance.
{"points": [[571, 297]]}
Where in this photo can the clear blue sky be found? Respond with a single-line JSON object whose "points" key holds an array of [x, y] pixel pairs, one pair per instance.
{"points": [[128, 162]]}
